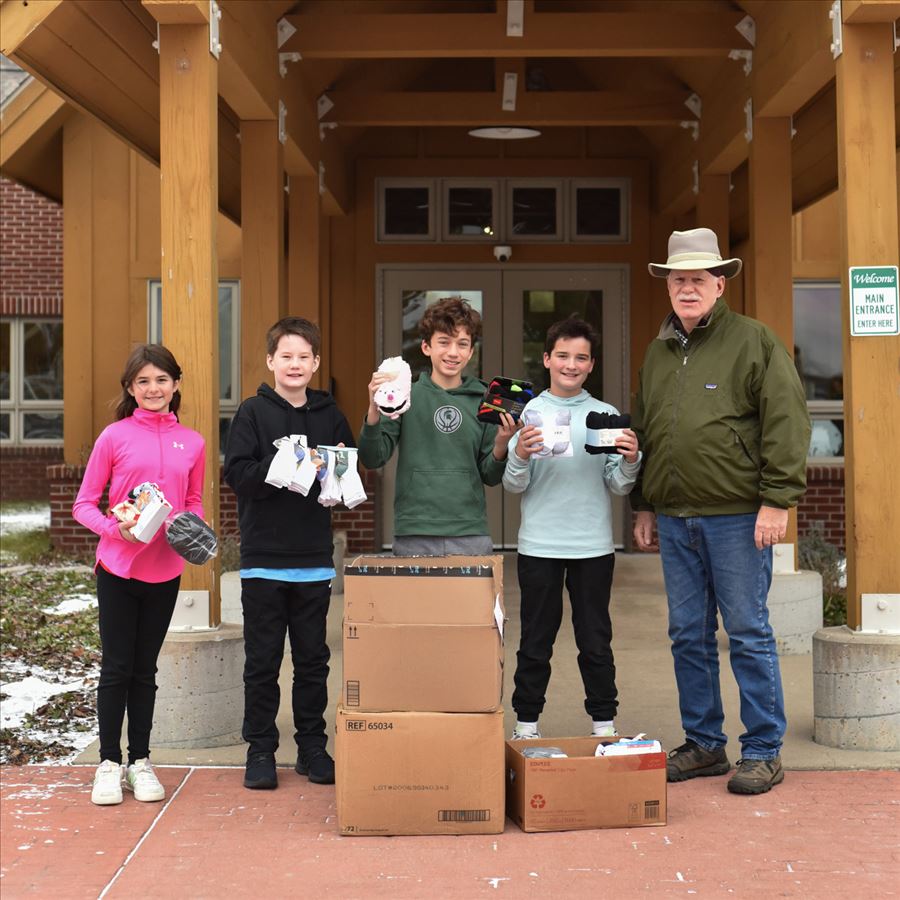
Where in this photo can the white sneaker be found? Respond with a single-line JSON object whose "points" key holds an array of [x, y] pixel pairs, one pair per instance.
{"points": [[140, 778], [107, 789], [604, 731], [525, 732]]}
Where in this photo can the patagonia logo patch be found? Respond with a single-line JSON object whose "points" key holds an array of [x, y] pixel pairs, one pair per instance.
{"points": [[710, 387]]}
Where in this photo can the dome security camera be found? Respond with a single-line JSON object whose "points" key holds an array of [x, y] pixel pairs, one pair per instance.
{"points": [[502, 253]]}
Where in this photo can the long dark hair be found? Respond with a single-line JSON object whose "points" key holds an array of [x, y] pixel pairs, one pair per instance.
{"points": [[142, 355]]}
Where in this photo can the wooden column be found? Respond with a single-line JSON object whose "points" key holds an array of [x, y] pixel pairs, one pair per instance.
{"points": [[189, 202], [95, 280], [713, 209], [769, 281], [305, 251], [867, 179], [262, 246]]}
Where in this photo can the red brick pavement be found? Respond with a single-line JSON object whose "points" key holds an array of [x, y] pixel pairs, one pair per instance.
{"points": [[819, 835]]}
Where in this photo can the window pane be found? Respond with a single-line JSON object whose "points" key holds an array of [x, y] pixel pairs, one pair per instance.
{"points": [[534, 210], [827, 437], [598, 210], [470, 211], [5, 361], [42, 426], [42, 361], [224, 427], [5, 426], [540, 310], [817, 340], [406, 210], [414, 305], [226, 326]]}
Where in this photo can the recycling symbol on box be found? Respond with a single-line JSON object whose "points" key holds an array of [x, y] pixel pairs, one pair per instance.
{"points": [[538, 801]]}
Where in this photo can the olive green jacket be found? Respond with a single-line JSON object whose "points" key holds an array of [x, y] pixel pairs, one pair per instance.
{"points": [[723, 422]]}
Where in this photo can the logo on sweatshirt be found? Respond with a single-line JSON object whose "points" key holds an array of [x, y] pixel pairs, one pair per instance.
{"points": [[447, 419], [175, 444]]}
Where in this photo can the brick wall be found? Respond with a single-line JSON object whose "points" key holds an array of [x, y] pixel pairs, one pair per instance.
{"points": [[68, 537], [23, 471], [30, 252], [824, 502]]}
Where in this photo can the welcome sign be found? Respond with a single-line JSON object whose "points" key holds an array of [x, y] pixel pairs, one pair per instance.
{"points": [[873, 301]]}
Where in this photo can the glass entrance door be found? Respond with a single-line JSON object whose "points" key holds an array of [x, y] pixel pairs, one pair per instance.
{"points": [[517, 306]]}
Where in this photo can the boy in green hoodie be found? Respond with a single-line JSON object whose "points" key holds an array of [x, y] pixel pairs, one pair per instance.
{"points": [[445, 454]]}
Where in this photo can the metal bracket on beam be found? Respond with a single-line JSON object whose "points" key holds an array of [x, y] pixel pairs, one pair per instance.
{"points": [[837, 37], [287, 183], [324, 105], [693, 126], [515, 18], [285, 31], [215, 25], [155, 44], [793, 130], [747, 29], [510, 85], [321, 177], [282, 128], [896, 39], [325, 127], [748, 117], [284, 59], [695, 170], [746, 56], [695, 105]]}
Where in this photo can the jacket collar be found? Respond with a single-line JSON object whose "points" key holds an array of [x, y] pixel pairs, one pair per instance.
{"points": [[672, 323], [156, 421]]}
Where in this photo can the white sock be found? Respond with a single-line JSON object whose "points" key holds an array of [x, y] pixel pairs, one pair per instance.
{"points": [[526, 727], [604, 729]]}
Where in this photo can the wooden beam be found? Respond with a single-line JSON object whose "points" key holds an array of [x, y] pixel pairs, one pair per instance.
{"points": [[19, 18], [859, 12], [262, 245], [551, 108], [713, 208], [474, 35], [248, 64], [867, 173], [189, 199], [178, 12], [29, 117]]}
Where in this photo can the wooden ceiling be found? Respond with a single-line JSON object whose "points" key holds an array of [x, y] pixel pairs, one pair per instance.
{"points": [[622, 74]]}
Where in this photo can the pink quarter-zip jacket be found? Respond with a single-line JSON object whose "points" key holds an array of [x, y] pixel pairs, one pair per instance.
{"points": [[145, 446]]}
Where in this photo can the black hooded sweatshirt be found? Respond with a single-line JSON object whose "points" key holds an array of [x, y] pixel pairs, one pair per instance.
{"points": [[281, 529]]}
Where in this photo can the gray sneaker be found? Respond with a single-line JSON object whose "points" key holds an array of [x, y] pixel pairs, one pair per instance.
{"points": [[756, 776], [690, 760]]}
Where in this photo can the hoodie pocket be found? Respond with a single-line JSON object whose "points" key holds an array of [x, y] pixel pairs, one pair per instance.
{"points": [[448, 493]]}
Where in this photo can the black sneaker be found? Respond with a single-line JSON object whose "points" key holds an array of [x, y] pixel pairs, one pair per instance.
{"points": [[260, 773], [690, 760], [317, 764], [756, 776]]}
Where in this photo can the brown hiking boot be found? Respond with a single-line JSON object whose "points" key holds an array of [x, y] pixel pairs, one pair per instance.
{"points": [[756, 776], [690, 760]]}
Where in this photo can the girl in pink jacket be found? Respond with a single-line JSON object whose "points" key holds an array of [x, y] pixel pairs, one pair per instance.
{"points": [[137, 583]]}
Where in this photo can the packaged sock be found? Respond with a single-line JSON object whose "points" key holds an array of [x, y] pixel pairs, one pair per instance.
{"points": [[504, 395], [330, 491], [305, 471], [283, 465], [351, 484], [602, 431]]}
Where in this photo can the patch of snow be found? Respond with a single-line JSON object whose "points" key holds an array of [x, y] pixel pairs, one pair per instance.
{"points": [[26, 696], [19, 520], [72, 603]]}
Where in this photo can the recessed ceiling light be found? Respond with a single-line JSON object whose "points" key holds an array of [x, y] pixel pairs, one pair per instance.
{"points": [[501, 133]]}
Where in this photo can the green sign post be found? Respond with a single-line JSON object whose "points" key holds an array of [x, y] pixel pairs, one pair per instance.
{"points": [[873, 301]]}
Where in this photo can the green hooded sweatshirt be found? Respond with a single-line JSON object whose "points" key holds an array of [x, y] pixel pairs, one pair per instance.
{"points": [[445, 458]]}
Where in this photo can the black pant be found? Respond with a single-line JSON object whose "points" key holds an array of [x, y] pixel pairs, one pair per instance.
{"points": [[134, 616], [270, 609], [589, 582]]}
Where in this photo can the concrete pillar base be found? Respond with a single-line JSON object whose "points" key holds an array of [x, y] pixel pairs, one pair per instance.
{"points": [[795, 610], [856, 700], [200, 701]]}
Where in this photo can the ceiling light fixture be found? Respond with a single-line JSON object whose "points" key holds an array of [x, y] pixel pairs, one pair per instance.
{"points": [[504, 133]]}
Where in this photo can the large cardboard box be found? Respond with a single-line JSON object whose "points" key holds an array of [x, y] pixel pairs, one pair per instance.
{"points": [[419, 773], [583, 790], [423, 634]]}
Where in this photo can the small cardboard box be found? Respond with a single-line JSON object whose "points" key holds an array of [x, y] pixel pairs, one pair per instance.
{"points": [[423, 634], [424, 590], [583, 791], [422, 668], [419, 773]]}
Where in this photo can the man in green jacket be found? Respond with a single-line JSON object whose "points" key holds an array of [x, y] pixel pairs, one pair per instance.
{"points": [[722, 419]]}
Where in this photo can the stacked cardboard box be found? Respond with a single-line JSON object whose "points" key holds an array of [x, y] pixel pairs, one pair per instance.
{"points": [[420, 738]]}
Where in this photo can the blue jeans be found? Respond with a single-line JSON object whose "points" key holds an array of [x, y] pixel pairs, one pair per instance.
{"points": [[711, 563]]}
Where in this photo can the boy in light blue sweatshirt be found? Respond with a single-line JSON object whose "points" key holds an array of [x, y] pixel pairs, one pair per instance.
{"points": [[566, 530]]}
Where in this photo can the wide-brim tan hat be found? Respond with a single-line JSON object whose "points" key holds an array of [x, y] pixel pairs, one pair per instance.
{"points": [[695, 249]]}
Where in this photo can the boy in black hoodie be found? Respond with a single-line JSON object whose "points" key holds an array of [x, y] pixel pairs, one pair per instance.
{"points": [[286, 555]]}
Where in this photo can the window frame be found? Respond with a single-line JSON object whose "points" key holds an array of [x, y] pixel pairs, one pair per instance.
{"points": [[449, 184], [431, 185], [623, 236], [823, 410], [557, 184], [17, 406]]}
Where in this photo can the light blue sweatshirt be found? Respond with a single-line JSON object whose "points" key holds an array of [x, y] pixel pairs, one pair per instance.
{"points": [[565, 504]]}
